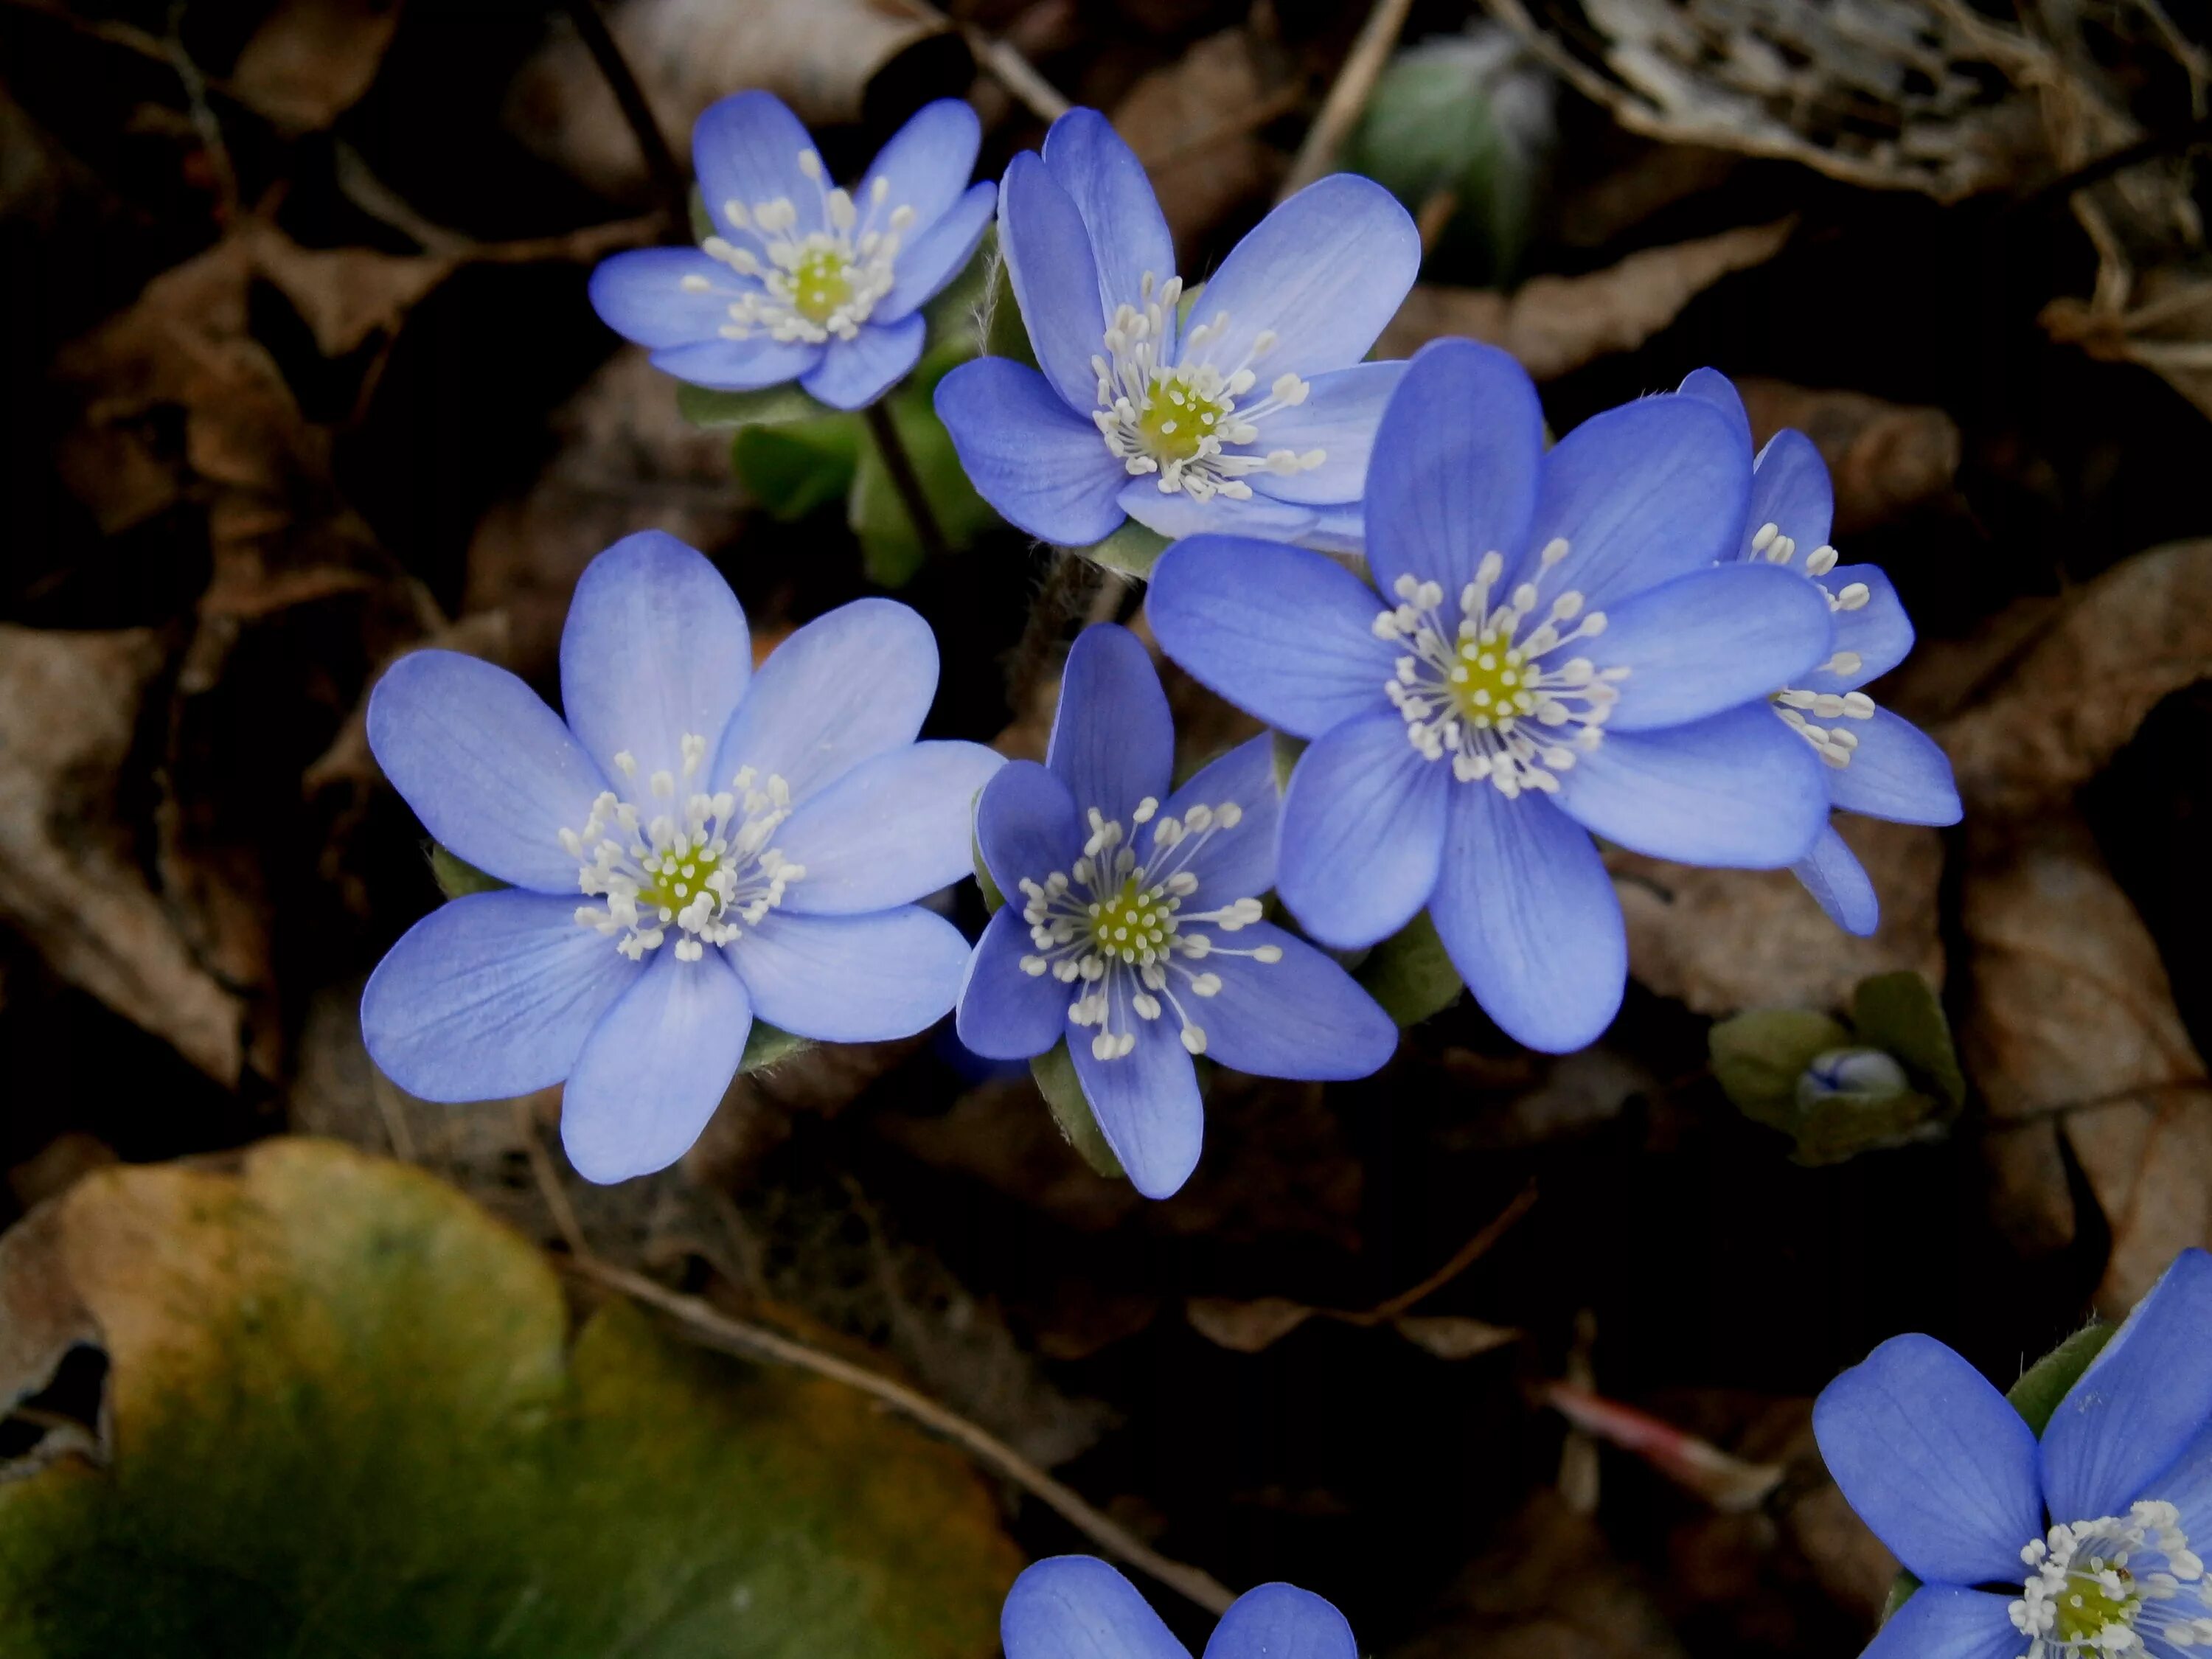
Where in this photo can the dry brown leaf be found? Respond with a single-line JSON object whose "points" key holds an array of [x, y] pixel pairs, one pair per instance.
{"points": [[1722, 940], [348, 760], [310, 61], [2141, 630], [1884, 458], [2168, 329], [1245, 1326], [1453, 1336], [69, 715], [1191, 122], [1556, 324]]}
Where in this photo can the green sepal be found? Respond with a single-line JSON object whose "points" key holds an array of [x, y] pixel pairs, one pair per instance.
{"points": [[1287, 751], [993, 900], [1055, 1071], [1132, 550], [766, 1044], [702, 223], [1898, 1013], [1759, 1056], [1409, 974], [1841, 1125], [773, 405], [456, 877]]}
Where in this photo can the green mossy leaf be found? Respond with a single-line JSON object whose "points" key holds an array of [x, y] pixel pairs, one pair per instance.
{"points": [[457, 878], [1899, 1014], [1759, 1056], [346, 1418], [1409, 974], [1055, 1071]]}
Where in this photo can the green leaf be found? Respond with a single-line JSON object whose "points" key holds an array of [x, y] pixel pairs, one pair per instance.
{"points": [[348, 1418], [1409, 974], [792, 469], [766, 1044], [1131, 550], [1055, 1071], [458, 879], [775, 405], [889, 545], [1286, 752], [1831, 1128], [1759, 1056], [1899, 1014]]}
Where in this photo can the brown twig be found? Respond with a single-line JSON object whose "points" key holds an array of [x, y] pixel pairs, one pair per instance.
{"points": [[1340, 110], [549, 1182], [713, 1328], [904, 478], [1001, 62], [1464, 1257]]}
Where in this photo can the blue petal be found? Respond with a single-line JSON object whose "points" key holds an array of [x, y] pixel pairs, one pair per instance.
{"points": [[1839, 884], [655, 648], [889, 831], [2142, 1399], [1338, 527], [2186, 1483], [1043, 467], [746, 148], [1934, 1461], [1286, 634], [1740, 790], [1643, 492], [1363, 832], [739, 365], [1146, 1103], [1324, 271], [1279, 1622], [1027, 827], [1457, 462], [1175, 513], [1947, 1621], [925, 166], [1712, 386], [1055, 280], [1707, 641], [1302, 1016], [851, 979], [1897, 772], [851, 684], [1790, 490], [1339, 418], [1103, 177], [1234, 863], [1004, 1012], [640, 295], [490, 769], [1113, 739], [1529, 918], [938, 254], [852, 373], [1075, 1607], [1879, 630], [490, 997], [654, 1068]]}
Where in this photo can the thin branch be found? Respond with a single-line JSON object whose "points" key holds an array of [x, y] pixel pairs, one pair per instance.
{"points": [[713, 1328], [1355, 81], [549, 1182], [904, 478], [668, 176], [1464, 1257], [1001, 62]]}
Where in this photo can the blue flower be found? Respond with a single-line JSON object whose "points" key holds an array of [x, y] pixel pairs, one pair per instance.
{"points": [[1076, 1607], [1252, 414], [1133, 921], [802, 281], [1878, 762], [2091, 1533], [1560, 656], [748, 844]]}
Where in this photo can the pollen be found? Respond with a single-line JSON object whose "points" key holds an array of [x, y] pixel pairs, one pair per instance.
{"points": [[1489, 682], [1177, 419], [821, 284], [1133, 925]]}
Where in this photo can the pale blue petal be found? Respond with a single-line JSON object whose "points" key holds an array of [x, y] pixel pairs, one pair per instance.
{"points": [[1714, 387], [2186, 1483], [655, 648], [1706, 642], [1935, 1460], [891, 830], [925, 166], [640, 295], [852, 373], [851, 979], [1529, 918], [1948, 1621], [1324, 271], [655, 1067], [1175, 513], [1113, 739], [1879, 630], [1055, 280], [1790, 490], [1839, 884], [849, 686], [935, 256], [1076, 1607], [1004, 1012], [2144, 1397], [1338, 527], [1286, 634], [1363, 832], [1302, 1016], [1146, 1103], [1458, 458], [1042, 466], [1027, 827], [739, 365], [1649, 490], [1103, 177], [1338, 418], [490, 997], [1738, 790], [1279, 1622], [746, 148], [490, 769], [1897, 772], [1234, 863]]}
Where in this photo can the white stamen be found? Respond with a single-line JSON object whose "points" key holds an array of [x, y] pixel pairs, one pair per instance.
{"points": [[2103, 1587], [808, 289]]}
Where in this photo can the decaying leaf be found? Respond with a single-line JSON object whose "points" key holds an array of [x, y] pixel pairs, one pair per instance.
{"points": [[1884, 458], [2167, 328], [310, 61], [322, 1348], [1725, 1481], [1557, 324], [1192, 122]]}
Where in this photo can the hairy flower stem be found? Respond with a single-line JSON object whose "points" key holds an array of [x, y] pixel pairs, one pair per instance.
{"points": [[669, 178], [1067, 588], [904, 478]]}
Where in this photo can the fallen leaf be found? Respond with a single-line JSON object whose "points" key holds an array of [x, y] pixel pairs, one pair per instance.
{"points": [[1883, 459], [1191, 122], [1454, 1336], [310, 61], [2167, 328], [1245, 1326]]}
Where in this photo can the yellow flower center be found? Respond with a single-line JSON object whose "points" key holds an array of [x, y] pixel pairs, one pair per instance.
{"points": [[1133, 923], [820, 284], [676, 876], [2089, 1607], [1489, 681], [1176, 419]]}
